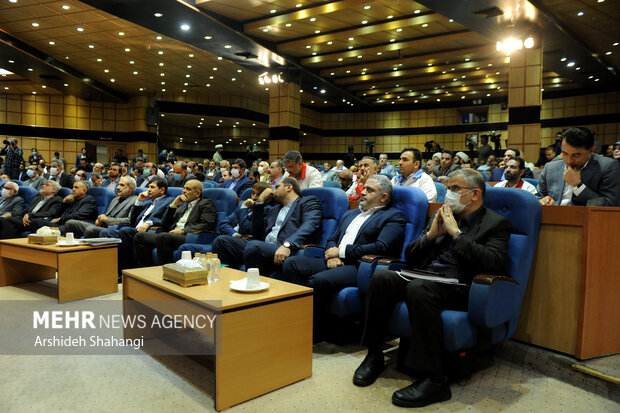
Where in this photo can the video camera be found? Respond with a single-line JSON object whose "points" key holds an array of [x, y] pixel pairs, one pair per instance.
{"points": [[429, 145]]}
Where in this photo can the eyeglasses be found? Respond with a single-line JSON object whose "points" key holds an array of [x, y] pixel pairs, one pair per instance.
{"points": [[456, 188]]}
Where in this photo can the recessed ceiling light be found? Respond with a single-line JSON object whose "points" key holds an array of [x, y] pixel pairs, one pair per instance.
{"points": [[30, 69], [313, 19], [35, 24], [157, 14], [272, 11], [570, 64], [580, 13], [163, 90], [66, 85], [379, 53], [265, 30], [390, 16], [192, 55], [348, 71], [158, 37], [11, 61], [288, 25], [161, 63], [340, 59], [162, 74], [608, 53], [616, 44], [112, 80], [227, 46], [366, 7], [91, 46], [106, 70], [350, 47], [141, 89], [99, 59], [131, 62], [392, 40], [53, 43], [313, 53], [364, 21], [399, 29], [121, 33], [135, 73], [425, 25], [160, 52], [208, 37], [452, 20], [66, 7], [43, 86], [317, 31], [298, 5], [330, 42], [359, 56], [185, 27], [187, 75], [127, 49]]}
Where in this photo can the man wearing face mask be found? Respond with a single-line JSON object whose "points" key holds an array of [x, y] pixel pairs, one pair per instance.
{"points": [[35, 180], [180, 175], [57, 174], [81, 176], [239, 181], [117, 212], [187, 213], [35, 157], [11, 204], [463, 239], [148, 174], [263, 170]]}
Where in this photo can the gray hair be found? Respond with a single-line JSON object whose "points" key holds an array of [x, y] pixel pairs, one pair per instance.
{"points": [[12, 186], [292, 181], [131, 182], [58, 162], [292, 156], [384, 184], [375, 163], [55, 185], [84, 184], [472, 177]]}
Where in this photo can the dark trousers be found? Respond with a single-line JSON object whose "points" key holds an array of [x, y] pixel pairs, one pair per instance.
{"points": [[166, 244], [425, 301], [125, 249], [253, 254], [326, 282]]}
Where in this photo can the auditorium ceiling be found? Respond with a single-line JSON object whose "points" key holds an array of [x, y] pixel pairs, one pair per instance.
{"points": [[347, 54]]}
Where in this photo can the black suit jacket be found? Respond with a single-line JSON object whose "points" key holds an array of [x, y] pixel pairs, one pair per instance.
{"points": [[15, 206], [83, 210], [480, 250], [66, 180], [51, 208], [200, 219]]}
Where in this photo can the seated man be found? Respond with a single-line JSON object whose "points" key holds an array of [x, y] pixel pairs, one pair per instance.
{"points": [[345, 178], [197, 215], [497, 174], [386, 167], [276, 173], [374, 228], [239, 181], [307, 176], [329, 174], [295, 221], [11, 205], [116, 213], [57, 174], [514, 170], [368, 166], [446, 166], [411, 173], [35, 180], [114, 175], [180, 175], [584, 178], [46, 206], [146, 212], [463, 239]]}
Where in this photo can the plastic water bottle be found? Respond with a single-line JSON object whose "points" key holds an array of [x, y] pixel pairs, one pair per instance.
{"points": [[216, 268], [208, 266]]}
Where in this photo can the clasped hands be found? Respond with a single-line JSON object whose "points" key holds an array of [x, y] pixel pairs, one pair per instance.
{"points": [[443, 223]]}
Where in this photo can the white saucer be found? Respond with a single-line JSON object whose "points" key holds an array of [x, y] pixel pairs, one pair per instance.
{"points": [[64, 243], [240, 285]]}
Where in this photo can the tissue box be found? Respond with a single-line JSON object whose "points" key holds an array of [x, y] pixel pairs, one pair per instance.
{"points": [[184, 276], [42, 239]]}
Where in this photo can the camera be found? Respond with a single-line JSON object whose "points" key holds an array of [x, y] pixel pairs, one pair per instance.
{"points": [[370, 146], [6, 142], [429, 145], [494, 137], [470, 143]]}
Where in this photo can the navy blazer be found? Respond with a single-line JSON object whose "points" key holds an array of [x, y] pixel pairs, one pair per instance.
{"points": [[601, 176], [302, 224], [243, 183], [137, 212], [381, 234]]}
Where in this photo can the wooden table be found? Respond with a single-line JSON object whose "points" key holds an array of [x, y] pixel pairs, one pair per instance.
{"points": [[83, 271], [265, 338]]}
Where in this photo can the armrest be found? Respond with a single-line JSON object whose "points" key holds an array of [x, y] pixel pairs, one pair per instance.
{"points": [[205, 237], [304, 246], [368, 265], [312, 251], [493, 300]]}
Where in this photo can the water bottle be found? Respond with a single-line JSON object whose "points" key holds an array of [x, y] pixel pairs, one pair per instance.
{"points": [[208, 265], [217, 268]]}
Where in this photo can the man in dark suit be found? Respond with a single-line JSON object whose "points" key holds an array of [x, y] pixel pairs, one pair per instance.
{"points": [[295, 221], [11, 205], [146, 213], [180, 175], [497, 174], [197, 215], [463, 239], [375, 228], [46, 206], [79, 206], [57, 174], [114, 176], [583, 178], [116, 213], [240, 182]]}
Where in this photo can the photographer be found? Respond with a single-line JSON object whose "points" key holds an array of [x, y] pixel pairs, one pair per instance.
{"points": [[13, 157]]}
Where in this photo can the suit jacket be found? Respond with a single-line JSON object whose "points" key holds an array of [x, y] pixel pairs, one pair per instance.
{"points": [[497, 174], [36, 183], [108, 181], [200, 219], [381, 234], [139, 211], [119, 212], [481, 249], [66, 180], [14, 206], [601, 176], [23, 175], [302, 224], [243, 183], [241, 217], [179, 184], [51, 208], [83, 210], [437, 171]]}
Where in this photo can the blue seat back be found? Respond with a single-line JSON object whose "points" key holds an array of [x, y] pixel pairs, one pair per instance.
{"points": [[18, 182], [174, 191], [63, 192], [334, 203], [246, 194], [414, 204], [139, 190], [103, 197], [531, 181], [225, 199], [27, 193], [441, 192], [209, 184], [332, 184]]}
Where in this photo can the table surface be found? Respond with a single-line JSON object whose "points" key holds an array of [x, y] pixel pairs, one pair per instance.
{"points": [[220, 290], [23, 242]]}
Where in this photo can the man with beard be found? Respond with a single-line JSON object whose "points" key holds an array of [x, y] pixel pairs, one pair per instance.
{"points": [[514, 170]]}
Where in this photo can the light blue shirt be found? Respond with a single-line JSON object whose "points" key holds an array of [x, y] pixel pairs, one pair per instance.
{"points": [[272, 237]]}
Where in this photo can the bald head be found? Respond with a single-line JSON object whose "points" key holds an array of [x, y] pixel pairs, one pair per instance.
{"points": [[13, 187]]}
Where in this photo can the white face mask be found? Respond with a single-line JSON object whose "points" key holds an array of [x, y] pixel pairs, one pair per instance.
{"points": [[222, 170], [78, 178], [454, 200], [261, 170], [6, 193], [234, 173], [53, 171]]}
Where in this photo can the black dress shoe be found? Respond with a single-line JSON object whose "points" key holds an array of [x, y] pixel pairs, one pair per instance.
{"points": [[422, 393], [369, 370]]}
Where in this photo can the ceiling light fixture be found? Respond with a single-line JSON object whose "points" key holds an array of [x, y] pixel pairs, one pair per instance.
{"points": [[157, 14], [185, 27]]}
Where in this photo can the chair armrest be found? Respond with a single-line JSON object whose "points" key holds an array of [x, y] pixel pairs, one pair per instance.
{"points": [[311, 251], [369, 264], [304, 246], [205, 237], [493, 300]]}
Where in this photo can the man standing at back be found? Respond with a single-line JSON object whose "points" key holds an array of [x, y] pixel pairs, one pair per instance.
{"points": [[306, 175], [411, 173], [584, 178]]}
